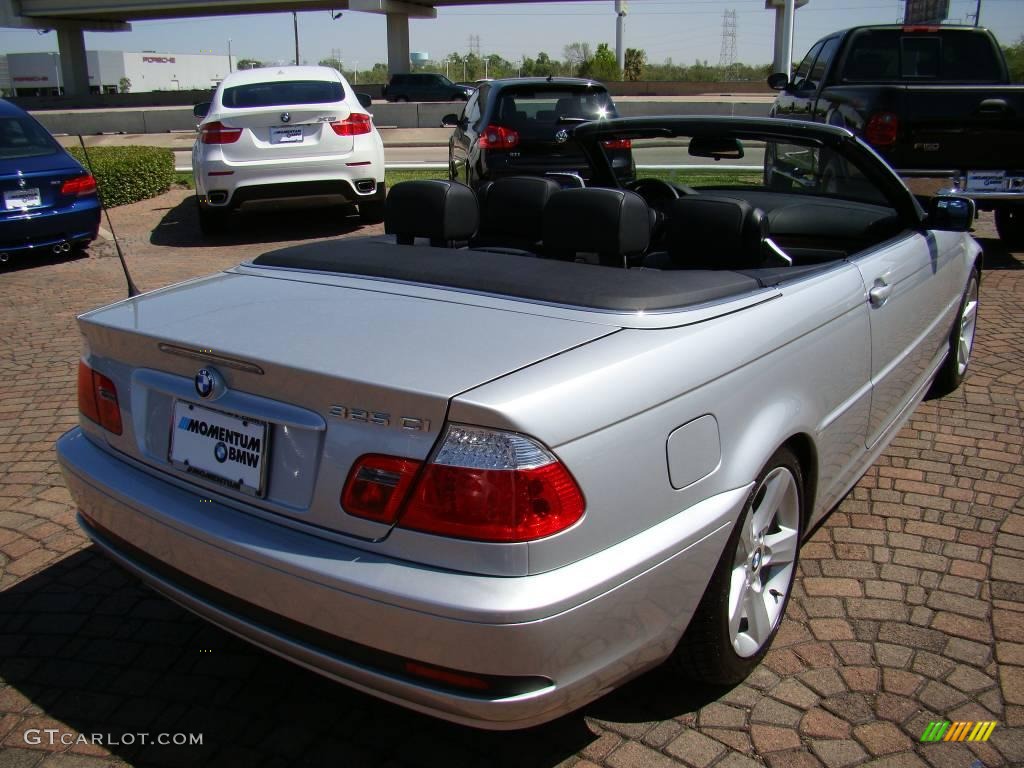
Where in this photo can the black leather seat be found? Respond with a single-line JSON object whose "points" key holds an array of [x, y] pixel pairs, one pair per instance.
{"points": [[709, 232], [512, 212], [444, 212], [613, 224]]}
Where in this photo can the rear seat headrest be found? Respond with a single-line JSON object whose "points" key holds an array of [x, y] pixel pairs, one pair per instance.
{"points": [[716, 232], [513, 206], [443, 211], [614, 223]]}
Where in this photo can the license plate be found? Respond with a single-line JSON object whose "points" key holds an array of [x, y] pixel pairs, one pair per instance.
{"points": [[986, 181], [22, 198], [219, 446], [286, 135]]}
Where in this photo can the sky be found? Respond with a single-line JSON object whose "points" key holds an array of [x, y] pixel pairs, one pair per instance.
{"points": [[683, 30]]}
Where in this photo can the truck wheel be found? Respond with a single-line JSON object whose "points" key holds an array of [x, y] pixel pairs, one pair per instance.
{"points": [[746, 598], [1010, 225]]}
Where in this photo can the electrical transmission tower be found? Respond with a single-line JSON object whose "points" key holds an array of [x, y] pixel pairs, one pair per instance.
{"points": [[474, 45], [727, 58]]}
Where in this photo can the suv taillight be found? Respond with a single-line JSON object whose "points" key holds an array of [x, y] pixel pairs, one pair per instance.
{"points": [[355, 124], [617, 144], [498, 137], [218, 133], [881, 129], [482, 484], [97, 399], [79, 185]]}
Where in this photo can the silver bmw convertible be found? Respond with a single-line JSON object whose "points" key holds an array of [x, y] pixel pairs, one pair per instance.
{"points": [[543, 435]]}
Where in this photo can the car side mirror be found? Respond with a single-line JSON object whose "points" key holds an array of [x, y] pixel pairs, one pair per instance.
{"points": [[201, 110], [451, 120], [364, 99], [953, 214], [778, 81]]}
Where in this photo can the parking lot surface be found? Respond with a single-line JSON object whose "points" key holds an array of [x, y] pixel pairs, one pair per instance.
{"points": [[908, 609]]}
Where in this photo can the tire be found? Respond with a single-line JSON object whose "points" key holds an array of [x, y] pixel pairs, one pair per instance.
{"points": [[1010, 225], [372, 212], [961, 342], [752, 582], [212, 221]]}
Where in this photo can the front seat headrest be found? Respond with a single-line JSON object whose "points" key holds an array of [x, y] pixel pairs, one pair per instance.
{"points": [[512, 207], [714, 232]]}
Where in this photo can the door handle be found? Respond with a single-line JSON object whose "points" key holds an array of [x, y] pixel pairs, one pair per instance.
{"points": [[879, 293]]}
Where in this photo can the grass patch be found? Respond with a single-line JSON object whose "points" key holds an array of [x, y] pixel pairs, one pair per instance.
{"points": [[184, 179]]}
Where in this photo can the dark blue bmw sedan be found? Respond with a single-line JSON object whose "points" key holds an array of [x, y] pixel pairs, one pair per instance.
{"points": [[48, 203]]}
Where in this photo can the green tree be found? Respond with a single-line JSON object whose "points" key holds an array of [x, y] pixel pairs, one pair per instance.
{"points": [[602, 66], [577, 57], [328, 62], [636, 58], [249, 63], [1015, 60], [124, 85]]}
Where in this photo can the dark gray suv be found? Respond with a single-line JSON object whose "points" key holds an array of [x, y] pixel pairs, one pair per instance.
{"points": [[425, 87]]}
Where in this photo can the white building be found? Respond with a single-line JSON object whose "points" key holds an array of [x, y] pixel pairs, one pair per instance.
{"points": [[39, 74]]}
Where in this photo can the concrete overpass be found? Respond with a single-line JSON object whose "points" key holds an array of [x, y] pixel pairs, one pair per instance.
{"points": [[71, 18]]}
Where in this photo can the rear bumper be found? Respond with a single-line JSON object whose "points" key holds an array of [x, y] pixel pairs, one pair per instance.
{"points": [[343, 188], [49, 227], [548, 643]]}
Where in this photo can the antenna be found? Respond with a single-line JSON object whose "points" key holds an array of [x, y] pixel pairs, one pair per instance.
{"points": [[132, 289], [727, 56]]}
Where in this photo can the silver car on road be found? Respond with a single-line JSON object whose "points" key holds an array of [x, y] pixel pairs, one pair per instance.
{"points": [[536, 440]]}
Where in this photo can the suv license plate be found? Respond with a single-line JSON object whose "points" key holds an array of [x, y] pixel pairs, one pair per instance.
{"points": [[227, 449], [286, 135]]}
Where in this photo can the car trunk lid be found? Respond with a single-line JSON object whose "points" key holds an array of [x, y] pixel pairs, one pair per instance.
{"points": [[323, 373], [285, 132]]}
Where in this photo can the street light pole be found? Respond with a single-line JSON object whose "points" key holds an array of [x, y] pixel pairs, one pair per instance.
{"points": [[295, 23], [229, 55]]}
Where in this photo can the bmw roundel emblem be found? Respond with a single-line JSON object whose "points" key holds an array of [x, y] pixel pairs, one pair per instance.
{"points": [[562, 136], [220, 452], [286, 117], [206, 382]]}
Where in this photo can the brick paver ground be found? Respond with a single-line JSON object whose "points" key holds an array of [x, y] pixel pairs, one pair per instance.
{"points": [[909, 605]]}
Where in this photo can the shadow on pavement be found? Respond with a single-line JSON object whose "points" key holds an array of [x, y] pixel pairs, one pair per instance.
{"points": [[179, 227], [997, 255], [43, 257], [88, 646]]}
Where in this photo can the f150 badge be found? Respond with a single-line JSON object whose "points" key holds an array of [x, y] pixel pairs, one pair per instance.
{"points": [[927, 146], [379, 418]]}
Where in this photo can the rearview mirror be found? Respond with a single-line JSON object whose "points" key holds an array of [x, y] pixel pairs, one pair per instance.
{"points": [[451, 120], [778, 81], [364, 99], [953, 214], [201, 110], [718, 147]]}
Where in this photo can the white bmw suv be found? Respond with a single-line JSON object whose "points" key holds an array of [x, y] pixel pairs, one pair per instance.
{"points": [[285, 132]]}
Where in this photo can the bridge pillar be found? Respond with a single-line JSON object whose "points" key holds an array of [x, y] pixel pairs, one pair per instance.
{"points": [[74, 70], [785, 16], [398, 42]]}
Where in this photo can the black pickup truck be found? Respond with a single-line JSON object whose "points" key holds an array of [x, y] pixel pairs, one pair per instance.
{"points": [[934, 101]]}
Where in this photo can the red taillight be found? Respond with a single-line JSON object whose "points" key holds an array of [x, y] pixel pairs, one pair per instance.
{"points": [[881, 129], [79, 185], [920, 28], [482, 484], [377, 485], [617, 144], [355, 124], [218, 133], [97, 399], [498, 137]]}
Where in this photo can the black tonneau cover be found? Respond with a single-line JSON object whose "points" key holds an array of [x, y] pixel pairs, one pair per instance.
{"points": [[516, 276]]}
